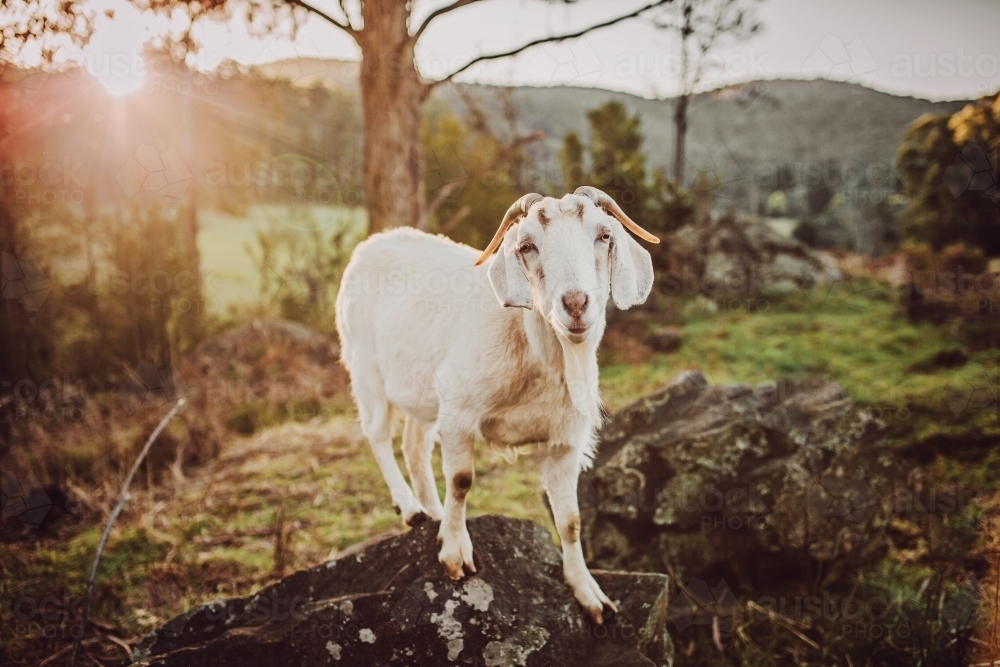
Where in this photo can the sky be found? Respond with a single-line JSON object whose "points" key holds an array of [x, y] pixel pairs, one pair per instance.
{"points": [[934, 49]]}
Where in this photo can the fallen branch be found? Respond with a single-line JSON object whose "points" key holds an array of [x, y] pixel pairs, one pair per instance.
{"points": [[786, 622], [122, 499], [58, 654], [121, 642]]}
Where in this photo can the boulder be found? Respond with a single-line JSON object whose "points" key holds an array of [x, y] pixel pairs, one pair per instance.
{"points": [[390, 604], [722, 480], [726, 256]]}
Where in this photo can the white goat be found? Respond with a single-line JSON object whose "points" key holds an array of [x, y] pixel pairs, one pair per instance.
{"points": [[506, 353]]}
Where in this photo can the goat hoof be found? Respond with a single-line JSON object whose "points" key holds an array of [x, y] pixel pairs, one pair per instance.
{"points": [[417, 519], [454, 573], [593, 600], [456, 555]]}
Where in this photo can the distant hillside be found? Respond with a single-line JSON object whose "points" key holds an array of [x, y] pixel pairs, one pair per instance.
{"points": [[744, 132]]}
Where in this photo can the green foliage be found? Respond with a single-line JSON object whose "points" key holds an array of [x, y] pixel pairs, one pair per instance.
{"points": [[571, 162], [471, 176], [614, 162], [120, 290], [672, 205], [300, 268], [949, 166]]}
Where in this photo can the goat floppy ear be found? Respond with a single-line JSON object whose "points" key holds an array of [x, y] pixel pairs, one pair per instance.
{"points": [[631, 269], [506, 273]]}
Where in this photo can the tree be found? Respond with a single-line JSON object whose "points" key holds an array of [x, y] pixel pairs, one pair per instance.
{"points": [[701, 26], [615, 163], [392, 89], [23, 24], [571, 162], [949, 167]]}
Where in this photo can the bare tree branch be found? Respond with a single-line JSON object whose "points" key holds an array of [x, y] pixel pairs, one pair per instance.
{"points": [[346, 26], [706, 24], [123, 497], [438, 12], [546, 40]]}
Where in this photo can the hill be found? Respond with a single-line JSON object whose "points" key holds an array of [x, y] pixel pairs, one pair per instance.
{"points": [[746, 132]]}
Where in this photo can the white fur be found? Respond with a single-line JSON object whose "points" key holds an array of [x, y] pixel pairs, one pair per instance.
{"points": [[424, 330]]}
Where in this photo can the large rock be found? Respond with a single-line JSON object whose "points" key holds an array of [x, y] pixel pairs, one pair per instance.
{"points": [[390, 604], [726, 256], [726, 481]]}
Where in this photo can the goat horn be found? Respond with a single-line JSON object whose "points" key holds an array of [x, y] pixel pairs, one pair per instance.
{"points": [[517, 210], [611, 207]]}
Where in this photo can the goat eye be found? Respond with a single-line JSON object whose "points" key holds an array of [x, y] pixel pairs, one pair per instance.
{"points": [[526, 248], [604, 237]]}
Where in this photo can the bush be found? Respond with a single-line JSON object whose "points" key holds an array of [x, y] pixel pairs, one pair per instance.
{"points": [[949, 167]]}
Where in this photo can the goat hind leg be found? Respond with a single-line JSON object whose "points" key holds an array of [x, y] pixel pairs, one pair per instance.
{"points": [[417, 450], [376, 426]]}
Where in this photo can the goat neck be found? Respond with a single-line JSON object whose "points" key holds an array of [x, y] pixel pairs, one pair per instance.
{"points": [[576, 363]]}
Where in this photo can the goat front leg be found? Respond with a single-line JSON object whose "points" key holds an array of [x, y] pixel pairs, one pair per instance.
{"points": [[456, 545], [560, 471]]}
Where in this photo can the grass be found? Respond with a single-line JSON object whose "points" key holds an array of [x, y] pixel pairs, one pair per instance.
{"points": [[854, 336], [286, 499]]}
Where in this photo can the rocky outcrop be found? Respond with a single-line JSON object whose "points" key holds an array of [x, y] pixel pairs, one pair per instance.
{"points": [[390, 604], [726, 256], [698, 479]]}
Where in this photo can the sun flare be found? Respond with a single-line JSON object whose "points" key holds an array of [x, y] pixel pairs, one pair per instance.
{"points": [[119, 84]]}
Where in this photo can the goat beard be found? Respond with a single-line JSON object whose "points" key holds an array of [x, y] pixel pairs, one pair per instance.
{"points": [[581, 374]]}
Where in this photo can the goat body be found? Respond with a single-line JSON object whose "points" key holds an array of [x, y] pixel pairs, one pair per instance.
{"points": [[505, 352], [422, 330]]}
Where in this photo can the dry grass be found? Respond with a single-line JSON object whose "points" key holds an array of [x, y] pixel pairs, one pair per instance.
{"points": [[286, 499], [986, 651]]}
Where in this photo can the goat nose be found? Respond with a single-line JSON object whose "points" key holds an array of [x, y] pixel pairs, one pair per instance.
{"points": [[575, 303]]}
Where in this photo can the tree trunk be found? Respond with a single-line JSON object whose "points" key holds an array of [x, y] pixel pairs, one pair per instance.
{"points": [[680, 134], [391, 97], [191, 322]]}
